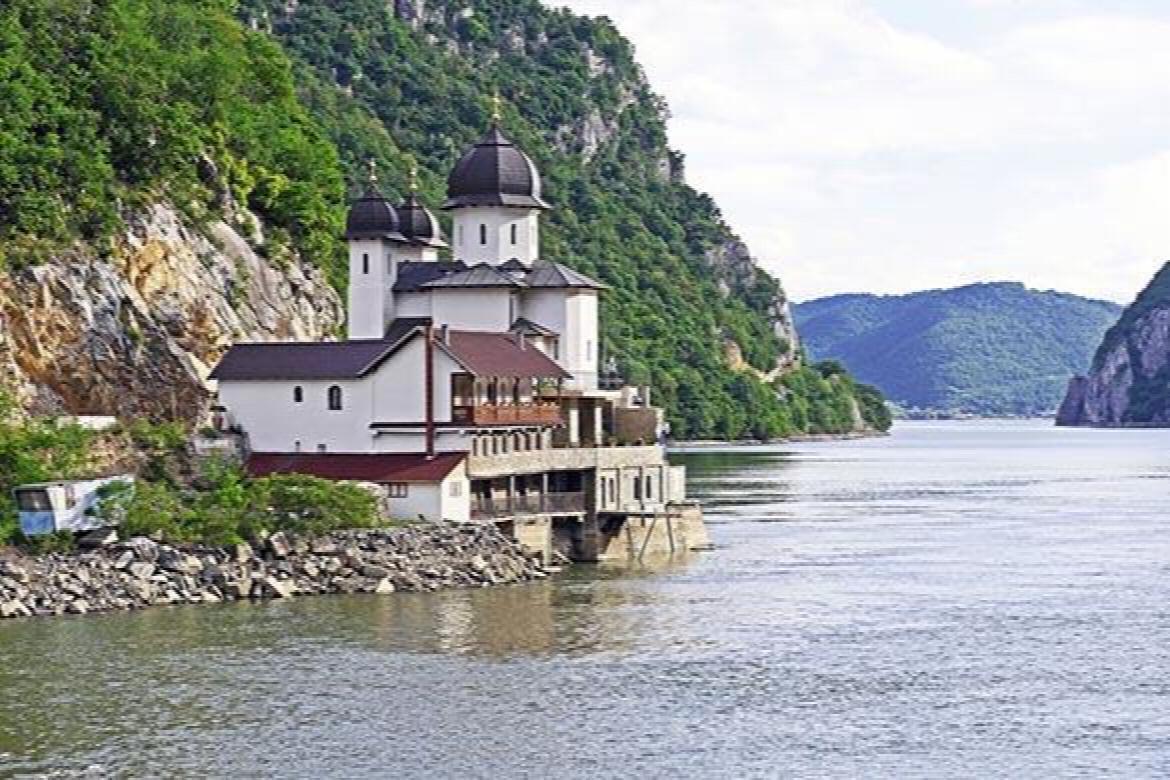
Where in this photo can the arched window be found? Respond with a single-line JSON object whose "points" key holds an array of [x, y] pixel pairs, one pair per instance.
{"points": [[365, 263], [649, 489], [335, 398], [513, 235], [298, 394], [483, 235]]}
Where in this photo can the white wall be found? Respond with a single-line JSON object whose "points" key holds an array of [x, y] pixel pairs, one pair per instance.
{"points": [[414, 253], [399, 385], [465, 238], [372, 271], [412, 304], [434, 501], [573, 314], [457, 507], [473, 309], [274, 422]]}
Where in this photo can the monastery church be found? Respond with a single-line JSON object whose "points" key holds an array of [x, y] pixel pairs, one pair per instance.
{"points": [[469, 386]]}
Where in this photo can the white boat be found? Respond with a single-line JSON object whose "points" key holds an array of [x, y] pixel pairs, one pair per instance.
{"points": [[66, 505]]}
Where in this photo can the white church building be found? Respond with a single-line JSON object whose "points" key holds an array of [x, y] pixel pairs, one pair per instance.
{"points": [[470, 384]]}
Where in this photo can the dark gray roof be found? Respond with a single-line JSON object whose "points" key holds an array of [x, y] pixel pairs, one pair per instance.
{"points": [[418, 224], [412, 276], [530, 328], [543, 274], [482, 275], [314, 360], [548, 274], [372, 216], [494, 172]]}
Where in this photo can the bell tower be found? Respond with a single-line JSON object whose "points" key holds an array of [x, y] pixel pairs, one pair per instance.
{"points": [[374, 238]]}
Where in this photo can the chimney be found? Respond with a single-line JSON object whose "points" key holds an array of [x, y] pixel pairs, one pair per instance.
{"points": [[520, 339], [445, 335]]}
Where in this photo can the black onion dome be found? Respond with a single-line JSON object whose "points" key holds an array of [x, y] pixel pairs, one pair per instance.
{"points": [[372, 216], [494, 172], [418, 224]]}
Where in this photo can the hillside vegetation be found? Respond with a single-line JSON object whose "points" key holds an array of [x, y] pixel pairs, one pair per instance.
{"points": [[989, 349], [276, 107]]}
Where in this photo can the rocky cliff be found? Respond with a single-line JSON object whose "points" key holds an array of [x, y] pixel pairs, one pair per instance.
{"points": [[1129, 383], [135, 333]]}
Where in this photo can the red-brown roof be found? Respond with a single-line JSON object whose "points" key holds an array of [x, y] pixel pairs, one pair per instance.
{"points": [[363, 468], [500, 354]]}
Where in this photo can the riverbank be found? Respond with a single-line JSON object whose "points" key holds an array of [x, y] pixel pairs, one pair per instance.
{"points": [[141, 573], [682, 446]]}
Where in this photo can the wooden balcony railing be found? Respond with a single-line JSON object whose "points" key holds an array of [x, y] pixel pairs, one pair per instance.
{"points": [[530, 504], [508, 414]]}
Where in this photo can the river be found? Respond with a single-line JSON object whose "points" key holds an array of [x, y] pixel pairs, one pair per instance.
{"points": [[958, 599]]}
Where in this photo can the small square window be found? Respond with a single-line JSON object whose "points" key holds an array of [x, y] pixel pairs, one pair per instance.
{"points": [[456, 489], [398, 489]]}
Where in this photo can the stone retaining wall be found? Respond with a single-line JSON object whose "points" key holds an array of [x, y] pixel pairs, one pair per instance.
{"points": [[140, 573]]}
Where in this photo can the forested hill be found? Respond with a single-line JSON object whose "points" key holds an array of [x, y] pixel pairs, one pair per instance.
{"points": [[174, 175], [990, 349]]}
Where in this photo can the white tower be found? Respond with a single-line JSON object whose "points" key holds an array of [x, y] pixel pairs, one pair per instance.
{"points": [[374, 238], [494, 196]]}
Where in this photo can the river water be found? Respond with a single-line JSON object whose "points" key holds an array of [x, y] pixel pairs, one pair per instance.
{"points": [[959, 599]]}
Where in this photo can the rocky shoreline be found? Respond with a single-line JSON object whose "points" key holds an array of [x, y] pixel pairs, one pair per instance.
{"points": [[140, 573]]}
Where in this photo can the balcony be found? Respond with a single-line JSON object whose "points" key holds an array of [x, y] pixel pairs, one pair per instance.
{"points": [[508, 414], [530, 504]]}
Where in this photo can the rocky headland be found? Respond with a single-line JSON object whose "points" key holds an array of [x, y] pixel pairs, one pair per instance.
{"points": [[140, 572], [1129, 383]]}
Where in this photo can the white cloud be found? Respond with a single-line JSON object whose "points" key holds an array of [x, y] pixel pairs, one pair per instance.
{"points": [[853, 153]]}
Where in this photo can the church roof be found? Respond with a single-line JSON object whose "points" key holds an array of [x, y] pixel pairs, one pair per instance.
{"points": [[528, 327], [543, 274], [482, 275], [500, 354], [374, 467], [418, 224], [412, 276], [372, 216], [549, 274], [314, 360], [494, 172]]}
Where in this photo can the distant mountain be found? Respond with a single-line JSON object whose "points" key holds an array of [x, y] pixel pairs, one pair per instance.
{"points": [[989, 349], [1129, 382]]}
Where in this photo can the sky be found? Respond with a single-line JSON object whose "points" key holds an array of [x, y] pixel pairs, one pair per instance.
{"points": [[895, 145]]}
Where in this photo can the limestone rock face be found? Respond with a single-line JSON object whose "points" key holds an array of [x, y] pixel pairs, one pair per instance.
{"points": [[1129, 384], [738, 272], [136, 333]]}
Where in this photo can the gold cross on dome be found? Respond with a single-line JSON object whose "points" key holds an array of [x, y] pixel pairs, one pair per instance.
{"points": [[497, 107], [372, 164], [413, 177]]}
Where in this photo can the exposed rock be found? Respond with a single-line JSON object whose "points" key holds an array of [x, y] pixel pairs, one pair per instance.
{"points": [[100, 335], [738, 274], [1129, 383]]}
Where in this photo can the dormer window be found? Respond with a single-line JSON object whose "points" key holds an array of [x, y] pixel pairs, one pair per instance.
{"points": [[298, 394], [334, 398]]}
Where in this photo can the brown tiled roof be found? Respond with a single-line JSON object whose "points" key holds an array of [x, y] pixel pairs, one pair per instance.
{"points": [[314, 360], [499, 354], [378, 467]]}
